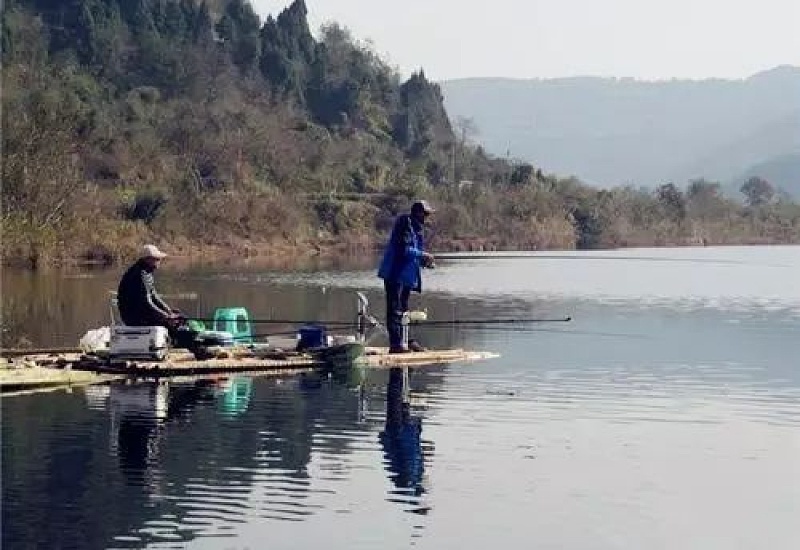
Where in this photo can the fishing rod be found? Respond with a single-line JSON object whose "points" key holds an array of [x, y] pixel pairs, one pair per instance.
{"points": [[513, 256], [421, 322], [491, 321], [265, 335], [280, 322], [570, 332]]}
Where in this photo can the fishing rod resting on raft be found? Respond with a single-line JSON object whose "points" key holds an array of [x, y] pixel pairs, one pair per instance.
{"points": [[364, 320], [280, 321], [521, 329]]}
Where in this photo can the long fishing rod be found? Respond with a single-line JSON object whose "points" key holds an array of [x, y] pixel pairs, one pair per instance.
{"points": [[491, 321], [514, 256], [425, 322], [280, 321], [570, 332], [494, 324], [257, 335]]}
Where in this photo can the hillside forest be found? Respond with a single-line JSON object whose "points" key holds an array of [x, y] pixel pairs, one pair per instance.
{"points": [[201, 127]]}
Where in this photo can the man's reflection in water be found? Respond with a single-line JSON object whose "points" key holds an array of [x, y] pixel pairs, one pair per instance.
{"points": [[401, 438], [140, 413], [137, 413]]}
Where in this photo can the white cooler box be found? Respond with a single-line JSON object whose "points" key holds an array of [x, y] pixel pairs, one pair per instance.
{"points": [[139, 343]]}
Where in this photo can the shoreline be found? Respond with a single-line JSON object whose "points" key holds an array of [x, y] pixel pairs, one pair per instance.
{"points": [[326, 255]]}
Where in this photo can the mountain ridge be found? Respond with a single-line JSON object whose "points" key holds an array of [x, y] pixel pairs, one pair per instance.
{"points": [[610, 131]]}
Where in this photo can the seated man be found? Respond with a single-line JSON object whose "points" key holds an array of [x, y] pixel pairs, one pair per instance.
{"points": [[140, 305]]}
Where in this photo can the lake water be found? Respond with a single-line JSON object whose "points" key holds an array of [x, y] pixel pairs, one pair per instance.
{"points": [[665, 415]]}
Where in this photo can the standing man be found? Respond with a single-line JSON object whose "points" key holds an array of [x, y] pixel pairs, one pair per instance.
{"points": [[401, 270], [138, 302]]}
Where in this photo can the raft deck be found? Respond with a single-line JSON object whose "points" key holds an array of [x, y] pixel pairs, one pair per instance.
{"points": [[37, 371], [28, 377]]}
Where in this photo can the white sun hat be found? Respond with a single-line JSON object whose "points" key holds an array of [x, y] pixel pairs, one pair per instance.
{"points": [[152, 251]]}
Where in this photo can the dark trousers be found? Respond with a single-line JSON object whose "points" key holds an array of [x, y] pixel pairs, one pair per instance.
{"points": [[396, 304]]}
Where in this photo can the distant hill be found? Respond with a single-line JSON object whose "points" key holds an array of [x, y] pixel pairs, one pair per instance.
{"points": [[782, 171], [609, 131]]}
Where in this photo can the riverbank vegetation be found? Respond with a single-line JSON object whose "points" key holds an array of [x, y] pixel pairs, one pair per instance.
{"points": [[201, 127]]}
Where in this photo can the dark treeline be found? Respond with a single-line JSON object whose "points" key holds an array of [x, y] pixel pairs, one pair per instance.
{"points": [[197, 123]]}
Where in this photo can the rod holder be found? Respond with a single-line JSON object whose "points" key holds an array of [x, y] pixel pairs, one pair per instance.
{"points": [[362, 317], [404, 322]]}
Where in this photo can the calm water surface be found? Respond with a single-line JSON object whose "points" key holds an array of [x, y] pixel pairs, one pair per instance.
{"points": [[666, 415]]}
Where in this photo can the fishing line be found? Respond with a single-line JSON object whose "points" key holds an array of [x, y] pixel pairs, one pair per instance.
{"points": [[501, 256], [560, 331]]}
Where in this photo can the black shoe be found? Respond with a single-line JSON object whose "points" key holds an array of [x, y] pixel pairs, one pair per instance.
{"points": [[413, 345], [399, 350]]}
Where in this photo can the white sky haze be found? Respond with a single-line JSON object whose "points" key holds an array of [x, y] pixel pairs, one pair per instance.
{"points": [[647, 39]]}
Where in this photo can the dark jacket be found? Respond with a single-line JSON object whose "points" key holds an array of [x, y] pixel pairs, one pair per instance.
{"points": [[138, 302], [403, 253]]}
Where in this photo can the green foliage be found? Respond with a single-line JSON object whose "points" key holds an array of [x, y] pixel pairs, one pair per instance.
{"points": [[422, 123], [238, 30], [521, 174], [145, 206], [288, 52]]}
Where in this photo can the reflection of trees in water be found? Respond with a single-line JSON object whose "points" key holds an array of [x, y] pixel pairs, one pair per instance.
{"points": [[51, 309], [274, 439], [58, 475], [76, 478], [55, 308]]}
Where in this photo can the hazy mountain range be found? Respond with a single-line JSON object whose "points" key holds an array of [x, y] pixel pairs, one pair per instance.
{"points": [[609, 131]]}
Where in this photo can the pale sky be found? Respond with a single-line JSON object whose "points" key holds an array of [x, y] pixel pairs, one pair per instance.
{"points": [[645, 39]]}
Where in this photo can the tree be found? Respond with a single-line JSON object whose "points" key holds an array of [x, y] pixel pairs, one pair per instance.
{"points": [[288, 51], [671, 201], [521, 174], [239, 30], [704, 199], [201, 27], [421, 122], [757, 192], [465, 129], [40, 170]]}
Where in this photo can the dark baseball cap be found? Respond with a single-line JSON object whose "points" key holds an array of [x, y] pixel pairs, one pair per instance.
{"points": [[422, 206]]}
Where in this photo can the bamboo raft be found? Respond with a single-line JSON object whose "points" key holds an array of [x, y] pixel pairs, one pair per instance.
{"points": [[20, 371], [14, 379]]}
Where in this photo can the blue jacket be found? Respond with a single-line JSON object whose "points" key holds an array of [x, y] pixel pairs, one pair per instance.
{"points": [[402, 255]]}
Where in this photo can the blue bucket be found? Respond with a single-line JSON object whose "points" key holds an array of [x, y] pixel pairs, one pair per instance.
{"points": [[311, 336]]}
